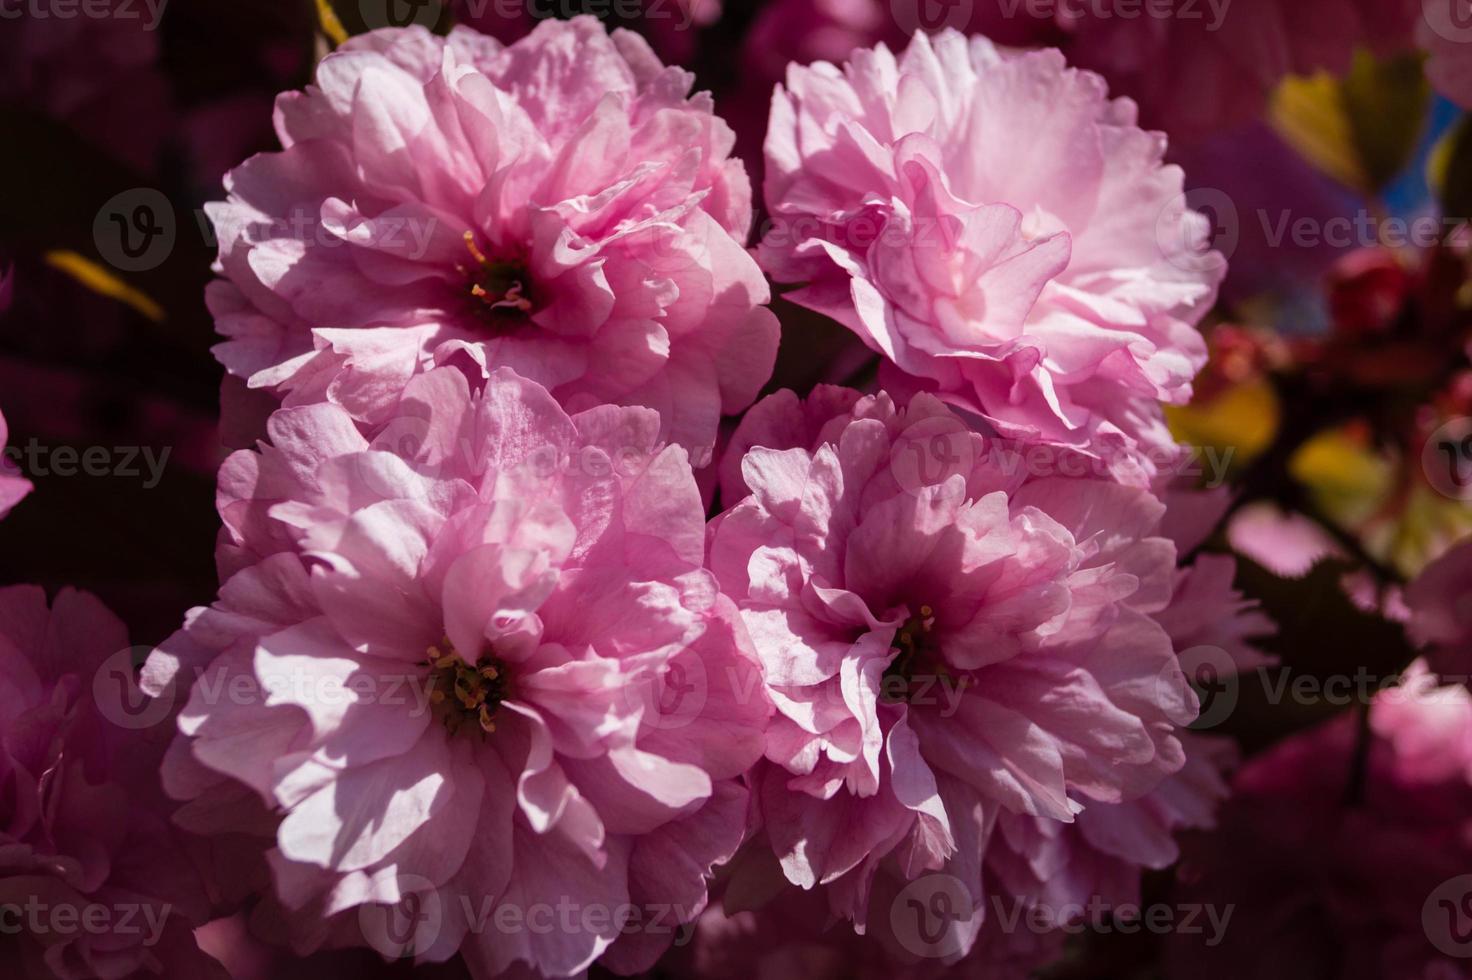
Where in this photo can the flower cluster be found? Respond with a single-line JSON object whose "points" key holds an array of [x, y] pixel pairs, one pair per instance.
{"points": [[559, 628], [481, 485]]}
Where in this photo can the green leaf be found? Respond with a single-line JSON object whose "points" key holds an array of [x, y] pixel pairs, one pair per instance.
{"points": [[1362, 130]]}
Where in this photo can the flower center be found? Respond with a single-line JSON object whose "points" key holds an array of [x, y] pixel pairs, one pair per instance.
{"points": [[500, 288], [461, 692], [917, 666]]}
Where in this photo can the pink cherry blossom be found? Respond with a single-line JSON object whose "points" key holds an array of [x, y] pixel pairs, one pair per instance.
{"points": [[558, 206], [945, 641], [1034, 865], [1056, 869], [86, 834], [1286, 543], [574, 697], [1000, 232], [13, 486], [1440, 604]]}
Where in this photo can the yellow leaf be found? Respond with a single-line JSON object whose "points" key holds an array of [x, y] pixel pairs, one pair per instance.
{"points": [[1307, 113], [104, 283], [1242, 419], [1361, 130], [1348, 479]]}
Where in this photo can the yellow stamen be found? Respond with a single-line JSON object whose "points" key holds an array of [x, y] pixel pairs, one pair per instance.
{"points": [[475, 251]]}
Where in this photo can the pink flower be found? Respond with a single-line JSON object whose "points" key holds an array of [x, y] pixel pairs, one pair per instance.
{"points": [[1440, 603], [1096, 862], [1334, 863], [946, 640], [1001, 233], [85, 837], [1286, 543], [13, 486], [1033, 865], [489, 673], [559, 207]]}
